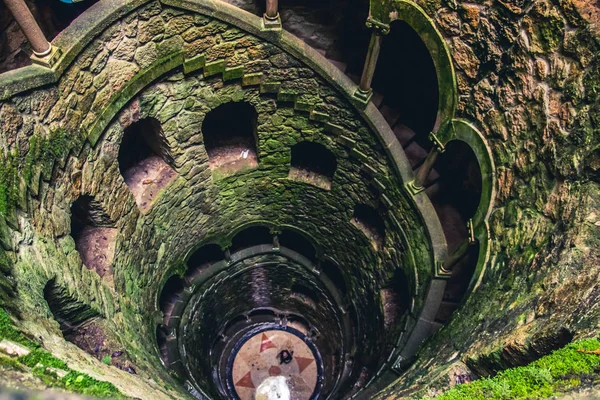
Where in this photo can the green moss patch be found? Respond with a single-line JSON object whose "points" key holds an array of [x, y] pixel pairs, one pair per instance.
{"points": [[45, 366], [562, 370]]}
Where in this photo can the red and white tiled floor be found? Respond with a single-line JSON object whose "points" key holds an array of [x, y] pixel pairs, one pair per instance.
{"points": [[260, 358]]}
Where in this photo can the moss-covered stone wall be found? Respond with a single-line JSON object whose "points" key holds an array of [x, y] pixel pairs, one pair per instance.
{"points": [[528, 76], [175, 66]]}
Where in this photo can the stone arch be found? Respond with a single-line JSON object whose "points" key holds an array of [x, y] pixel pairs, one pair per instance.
{"points": [[370, 223], [382, 15], [94, 234], [467, 133], [313, 163], [67, 310], [406, 81], [145, 161], [230, 139]]}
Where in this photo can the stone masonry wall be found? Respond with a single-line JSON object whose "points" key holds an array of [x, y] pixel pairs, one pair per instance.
{"points": [[50, 160], [529, 78]]}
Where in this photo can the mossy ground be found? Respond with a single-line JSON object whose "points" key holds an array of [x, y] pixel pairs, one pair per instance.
{"points": [[44, 365], [563, 370]]}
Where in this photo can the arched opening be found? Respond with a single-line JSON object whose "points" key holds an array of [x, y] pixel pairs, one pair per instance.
{"points": [[396, 299], [406, 78], [68, 311], [455, 190], [94, 235], [313, 163], [304, 295], [369, 222], [405, 88], [252, 236], [145, 161], [170, 294], [297, 242], [83, 326], [229, 133], [202, 259]]}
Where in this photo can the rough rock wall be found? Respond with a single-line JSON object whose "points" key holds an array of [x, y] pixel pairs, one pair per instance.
{"points": [[529, 78]]}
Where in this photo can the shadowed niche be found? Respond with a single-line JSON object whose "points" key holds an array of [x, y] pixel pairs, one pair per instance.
{"points": [[368, 220], [94, 234], [230, 138], [313, 163], [145, 161]]}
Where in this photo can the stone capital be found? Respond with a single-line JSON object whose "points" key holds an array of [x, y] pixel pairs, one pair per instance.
{"points": [[378, 27]]}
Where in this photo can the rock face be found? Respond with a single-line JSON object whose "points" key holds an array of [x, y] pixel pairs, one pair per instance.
{"points": [[528, 77]]}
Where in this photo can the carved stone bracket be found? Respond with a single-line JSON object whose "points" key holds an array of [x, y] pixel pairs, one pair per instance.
{"points": [[378, 27], [436, 142]]}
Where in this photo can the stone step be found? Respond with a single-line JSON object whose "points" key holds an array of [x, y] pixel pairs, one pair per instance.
{"points": [[404, 134], [377, 99], [390, 114], [415, 153]]}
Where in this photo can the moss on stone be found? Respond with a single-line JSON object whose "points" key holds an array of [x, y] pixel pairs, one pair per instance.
{"points": [[44, 365], [562, 370]]}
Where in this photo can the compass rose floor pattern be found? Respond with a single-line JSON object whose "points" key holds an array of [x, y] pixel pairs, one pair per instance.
{"points": [[275, 353]]}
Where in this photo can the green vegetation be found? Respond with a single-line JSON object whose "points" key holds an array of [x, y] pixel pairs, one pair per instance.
{"points": [[106, 360], [562, 370], [46, 367], [42, 154], [9, 332]]}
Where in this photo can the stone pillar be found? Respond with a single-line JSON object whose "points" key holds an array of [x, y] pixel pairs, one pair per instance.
{"points": [[271, 19], [457, 255], [425, 170], [43, 52], [417, 185], [364, 91], [22, 14]]}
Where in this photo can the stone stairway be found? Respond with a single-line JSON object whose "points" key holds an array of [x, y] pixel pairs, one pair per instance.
{"points": [[453, 224]]}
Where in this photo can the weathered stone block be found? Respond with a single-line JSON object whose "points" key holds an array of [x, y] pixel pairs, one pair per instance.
{"points": [[270, 87], [233, 73], [214, 68], [252, 79], [319, 116], [193, 64]]}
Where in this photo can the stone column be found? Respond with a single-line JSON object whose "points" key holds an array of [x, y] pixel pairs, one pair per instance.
{"points": [[425, 170], [417, 185], [457, 255], [364, 91], [271, 19], [272, 11], [35, 36]]}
